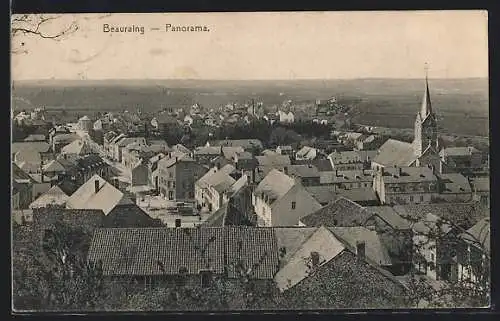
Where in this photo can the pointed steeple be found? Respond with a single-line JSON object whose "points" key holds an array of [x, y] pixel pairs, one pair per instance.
{"points": [[426, 108]]}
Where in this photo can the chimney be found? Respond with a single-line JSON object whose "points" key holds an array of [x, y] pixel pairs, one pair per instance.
{"points": [[315, 258], [177, 222], [360, 250], [96, 186]]}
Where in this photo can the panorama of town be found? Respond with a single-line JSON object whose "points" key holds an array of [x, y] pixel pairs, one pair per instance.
{"points": [[268, 208]]}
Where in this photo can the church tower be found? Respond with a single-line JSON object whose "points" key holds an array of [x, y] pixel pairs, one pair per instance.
{"points": [[426, 133]]}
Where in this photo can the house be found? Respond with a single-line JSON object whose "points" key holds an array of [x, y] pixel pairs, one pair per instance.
{"points": [[454, 187], [285, 150], [435, 244], [86, 167], [319, 261], [35, 138], [22, 189], [367, 142], [163, 121], [139, 175], [325, 194], [279, 200], [85, 124], [465, 160], [59, 140], [405, 185], [481, 189], [474, 254], [53, 169], [396, 236], [111, 149], [246, 163], [177, 174], [323, 165], [40, 147], [348, 160], [181, 148], [153, 170], [210, 189], [77, 148], [205, 155], [394, 153], [306, 153], [97, 194], [121, 143], [269, 162], [348, 179], [29, 186], [341, 212], [307, 175], [251, 145], [54, 197], [285, 117]]}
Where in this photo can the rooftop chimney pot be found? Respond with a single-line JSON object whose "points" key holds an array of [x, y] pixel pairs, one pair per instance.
{"points": [[361, 250], [96, 186]]}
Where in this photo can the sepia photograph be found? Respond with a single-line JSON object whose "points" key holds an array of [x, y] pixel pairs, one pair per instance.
{"points": [[250, 161]]}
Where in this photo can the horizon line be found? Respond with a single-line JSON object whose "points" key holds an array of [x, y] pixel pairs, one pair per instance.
{"points": [[274, 79]]}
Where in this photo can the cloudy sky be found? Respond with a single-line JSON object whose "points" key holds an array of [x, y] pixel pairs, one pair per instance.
{"points": [[321, 45]]}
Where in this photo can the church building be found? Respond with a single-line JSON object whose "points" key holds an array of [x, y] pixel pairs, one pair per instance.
{"points": [[423, 151]]}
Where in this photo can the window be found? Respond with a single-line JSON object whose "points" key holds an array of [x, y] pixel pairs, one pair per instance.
{"points": [[206, 278], [170, 174], [432, 257], [411, 198], [421, 198], [170, 195], [173, 184], [294, 204]]}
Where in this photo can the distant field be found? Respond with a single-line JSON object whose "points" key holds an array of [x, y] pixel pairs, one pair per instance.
{"points": [[379, 102]]}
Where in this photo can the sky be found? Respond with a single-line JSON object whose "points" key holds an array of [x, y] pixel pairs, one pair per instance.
{"points": [[292, 45]]}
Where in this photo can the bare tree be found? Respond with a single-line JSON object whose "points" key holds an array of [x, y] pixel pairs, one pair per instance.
{"points": [[36, 25]]}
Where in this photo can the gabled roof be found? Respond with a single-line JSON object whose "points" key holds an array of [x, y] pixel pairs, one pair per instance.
{"points": [[321, 241], [458, 151], [275, 185], [341, 212], [78, 147], [408, 175], [395, 152], [345, 157], [173, 158], [305, 150], [53, 166], [455, 183], [19, 175], [54, 196], [35, 138], [41, 147], [375, 250], [273, 160], [390, 216], [106, 198], [244, 143], [346, 176], [28, 155], [323, 165], [181, 148], [306, 171], [479, 234], [462, 214]]}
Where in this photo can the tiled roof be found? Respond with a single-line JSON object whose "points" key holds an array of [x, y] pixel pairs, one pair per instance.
{"points": [[346, 283], [213, 176], [305, 150], [462, 214], [346, 176], [86, 219], [181, 148], [390, 216], [323, 165], [458, 151], [255, 248], [68, 187], [217, 218], [106, 198], [276, 184], [394, 152], [273, 160], [173, 158], [375, 250], [363, 194], [129, 215], [341, 212], [78, 147], [19, 174], [244, 143], [29, 156], [322, 193], [305, 171], [54, 196], [53, 166], [479, 234], [455, 183], [129, 140], [158, 251], [346, 157], [295, 269], [408, 175], [90, 161], [40, 147]]}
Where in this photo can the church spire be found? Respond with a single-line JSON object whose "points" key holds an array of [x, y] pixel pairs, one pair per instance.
{"points": [[426, 108]]}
